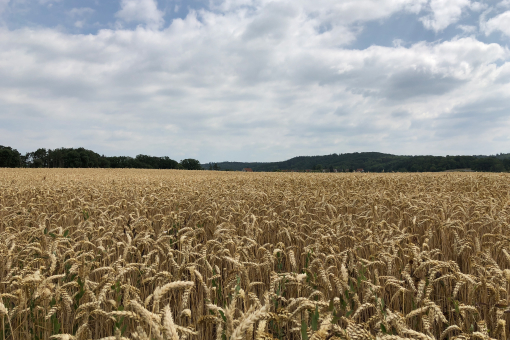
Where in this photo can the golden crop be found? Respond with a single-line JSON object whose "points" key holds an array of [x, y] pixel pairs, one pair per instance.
{"points": [[158, 254]]}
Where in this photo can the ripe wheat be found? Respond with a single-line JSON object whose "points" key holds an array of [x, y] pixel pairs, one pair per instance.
{"points": [[151, 254]]}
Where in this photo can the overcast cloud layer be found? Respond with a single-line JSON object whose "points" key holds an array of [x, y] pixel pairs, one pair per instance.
{"points": [[255, 80]]}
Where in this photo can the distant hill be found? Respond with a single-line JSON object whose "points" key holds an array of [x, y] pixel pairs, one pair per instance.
{"points": [[376, 162]]}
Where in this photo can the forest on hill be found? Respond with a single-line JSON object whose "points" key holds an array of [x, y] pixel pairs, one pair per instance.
{"points": [[375, 162], [368, 161]]}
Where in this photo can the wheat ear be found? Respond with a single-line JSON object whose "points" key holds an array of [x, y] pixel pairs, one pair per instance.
{"points": [[168, 324]]}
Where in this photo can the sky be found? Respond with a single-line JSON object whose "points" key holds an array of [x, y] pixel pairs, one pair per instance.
{"points": [[255, 80]]}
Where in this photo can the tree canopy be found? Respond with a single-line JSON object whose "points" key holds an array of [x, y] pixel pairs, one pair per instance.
{"points": [[9, 157], [191, 164], [81, 158]]}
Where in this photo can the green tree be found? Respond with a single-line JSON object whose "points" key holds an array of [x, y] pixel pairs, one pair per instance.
{"points": [[167, 163], [191, 164], [73, 159], [38, 158], [9, 158], [488, 164], [416, 168]]}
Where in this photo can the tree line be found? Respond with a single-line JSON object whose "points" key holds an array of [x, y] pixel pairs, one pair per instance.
{"points": [[83, 158], [378, 162], [368, 161]]}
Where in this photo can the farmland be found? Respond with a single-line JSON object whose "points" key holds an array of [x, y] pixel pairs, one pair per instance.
{"points": [[168, 254]]}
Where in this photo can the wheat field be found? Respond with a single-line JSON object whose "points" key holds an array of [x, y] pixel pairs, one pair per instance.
{"points": [[159, 254]]}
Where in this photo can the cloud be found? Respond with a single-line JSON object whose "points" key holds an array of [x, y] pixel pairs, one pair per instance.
{"points": [[445, 12], [80, 12], [504, 3], [478, 6], [142, 11], [467, 29], [400, 114], [273, 22], [501, 23], [411, 83]]}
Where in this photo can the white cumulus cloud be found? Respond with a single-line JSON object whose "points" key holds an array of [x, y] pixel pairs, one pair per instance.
{"points": [[500, 23], [444, 13], [143, 11]]}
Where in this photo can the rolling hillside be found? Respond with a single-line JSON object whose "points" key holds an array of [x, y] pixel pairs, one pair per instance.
{"points": [[375, 162]]}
